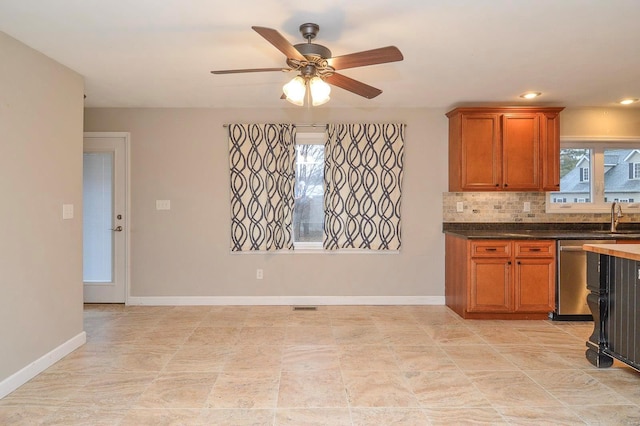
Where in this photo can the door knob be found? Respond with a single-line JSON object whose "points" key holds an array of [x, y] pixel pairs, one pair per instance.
{"points": [[117, 229]]}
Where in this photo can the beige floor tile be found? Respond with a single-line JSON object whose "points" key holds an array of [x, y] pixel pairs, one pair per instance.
{"points": [[313, 417], [310, 358], [576, 387], [478, 357], [423, 358], [54, 387], [623, 380], [445, 389], [465, 416], [143, 358], [309, 335], [111, 391], [309, 318], [604, 414], [357, 335], [237, 417], [178, 390], [453, 335], [24, 415], [501, 335], [88, 416], [369, 357], [245, 390], [314, 389], [351, 365], [535, 416], [388, 416], [254, 358], [534, 357], [378, 389], [511, 389], [205, 358], [552, 336], [162, 417], [261, 336], [214, 336], [405, 335]]}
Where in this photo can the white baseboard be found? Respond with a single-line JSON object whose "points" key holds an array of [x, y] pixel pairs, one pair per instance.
{"points": [[285, 300], [18, 379]]}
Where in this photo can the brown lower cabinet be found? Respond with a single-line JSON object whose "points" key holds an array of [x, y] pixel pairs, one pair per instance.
{"points": [[500, 279]]}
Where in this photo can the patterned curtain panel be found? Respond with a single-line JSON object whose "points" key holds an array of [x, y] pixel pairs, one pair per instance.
{"points": [[363, 186], [261, 159]]}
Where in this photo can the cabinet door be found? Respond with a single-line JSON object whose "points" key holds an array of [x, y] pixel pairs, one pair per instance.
{"points": [[480, 152], [490, 285], [534, 289], [550, 148], [521, 151]]}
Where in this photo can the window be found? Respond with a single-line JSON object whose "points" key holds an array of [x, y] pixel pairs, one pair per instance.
{"points": [[308, 210], [584, 174], [595, 172]]}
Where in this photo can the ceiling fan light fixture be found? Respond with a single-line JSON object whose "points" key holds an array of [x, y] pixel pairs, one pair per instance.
{"points": [[295, 90], [530, 95], [320, 91], [628, 101]]}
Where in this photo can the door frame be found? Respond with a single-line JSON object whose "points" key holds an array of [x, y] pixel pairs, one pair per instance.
{"points": [[127, 201]]}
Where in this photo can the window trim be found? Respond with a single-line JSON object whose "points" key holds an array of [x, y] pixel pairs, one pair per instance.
{"points": [[596, 181]]}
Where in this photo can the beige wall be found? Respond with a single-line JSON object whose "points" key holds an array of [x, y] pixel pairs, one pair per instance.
{"points": [[41, 162], [181, 155]]}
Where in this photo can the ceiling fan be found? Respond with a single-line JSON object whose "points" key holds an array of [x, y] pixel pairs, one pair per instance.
{"points": [[316, 66]]}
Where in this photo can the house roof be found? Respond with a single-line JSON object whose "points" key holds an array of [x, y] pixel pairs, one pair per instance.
{"points": [[145, 53], [616, 175]]}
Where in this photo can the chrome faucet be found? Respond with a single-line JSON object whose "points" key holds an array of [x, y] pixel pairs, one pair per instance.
{"points": [[616, 214]]}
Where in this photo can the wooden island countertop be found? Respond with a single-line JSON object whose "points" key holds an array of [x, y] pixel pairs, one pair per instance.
{"points": [[625, 251]]}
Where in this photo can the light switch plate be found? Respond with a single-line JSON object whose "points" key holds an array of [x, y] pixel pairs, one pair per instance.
{"points": [[459, 207], [163, 204], [527, 206], [67, 211]]}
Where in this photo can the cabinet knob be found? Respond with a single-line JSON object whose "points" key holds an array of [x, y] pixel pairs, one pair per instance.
{"points": [[506, 184]]}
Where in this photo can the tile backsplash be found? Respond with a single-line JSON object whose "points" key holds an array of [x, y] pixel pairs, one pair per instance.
{"points": [[509, 207]]}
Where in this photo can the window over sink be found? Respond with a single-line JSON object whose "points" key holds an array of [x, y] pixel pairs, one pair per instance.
{"points": [[595, 172]]}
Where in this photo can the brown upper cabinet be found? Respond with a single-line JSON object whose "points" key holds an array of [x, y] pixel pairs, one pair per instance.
{"points": [[504, 149]]}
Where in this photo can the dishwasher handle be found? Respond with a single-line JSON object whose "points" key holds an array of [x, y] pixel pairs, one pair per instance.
{"points": [[571, 248]]}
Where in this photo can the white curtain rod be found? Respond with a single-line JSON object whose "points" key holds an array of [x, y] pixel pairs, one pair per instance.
{"points": [[297, 125]]}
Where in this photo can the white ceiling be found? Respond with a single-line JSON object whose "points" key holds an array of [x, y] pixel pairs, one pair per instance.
{"points": [[159, 53]]}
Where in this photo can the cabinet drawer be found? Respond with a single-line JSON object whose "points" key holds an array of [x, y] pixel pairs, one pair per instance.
{"points": [[535, 248], [490, 249]]}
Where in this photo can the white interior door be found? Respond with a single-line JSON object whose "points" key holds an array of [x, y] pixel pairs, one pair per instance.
{"points": [[104, 218]]}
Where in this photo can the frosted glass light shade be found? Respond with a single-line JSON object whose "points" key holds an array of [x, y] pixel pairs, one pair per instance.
{"points": [[320, 91], [295, 90]]}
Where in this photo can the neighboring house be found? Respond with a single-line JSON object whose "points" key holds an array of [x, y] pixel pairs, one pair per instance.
{"points": [[621, 179]]}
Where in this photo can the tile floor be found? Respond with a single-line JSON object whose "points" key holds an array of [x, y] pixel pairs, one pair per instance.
{"points": [[339, 365]]}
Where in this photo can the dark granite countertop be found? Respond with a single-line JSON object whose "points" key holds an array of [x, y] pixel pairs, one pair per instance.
{"points": [[547, 231]]}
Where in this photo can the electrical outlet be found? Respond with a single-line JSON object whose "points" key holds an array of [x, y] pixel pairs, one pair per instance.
{"points": [[67, 211], [527, 206], [459, 207], [259, 274], [163, 204]]}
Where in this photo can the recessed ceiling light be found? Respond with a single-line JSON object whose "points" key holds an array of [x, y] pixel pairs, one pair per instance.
{"points": [[629, 101], [530, 95]]}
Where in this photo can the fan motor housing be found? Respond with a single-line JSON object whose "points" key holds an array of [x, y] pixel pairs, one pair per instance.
{"points": [[312, 49]]}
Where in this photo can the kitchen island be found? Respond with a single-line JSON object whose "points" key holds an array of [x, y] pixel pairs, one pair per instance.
{"points": [[613, 277]]}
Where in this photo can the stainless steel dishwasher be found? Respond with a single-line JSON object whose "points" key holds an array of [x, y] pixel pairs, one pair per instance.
{"points": [[571, 282]]}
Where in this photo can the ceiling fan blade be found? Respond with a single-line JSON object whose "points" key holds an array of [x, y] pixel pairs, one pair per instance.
{"points": [[368, 57], [249, 70], [280, 43], [352, 85]]}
